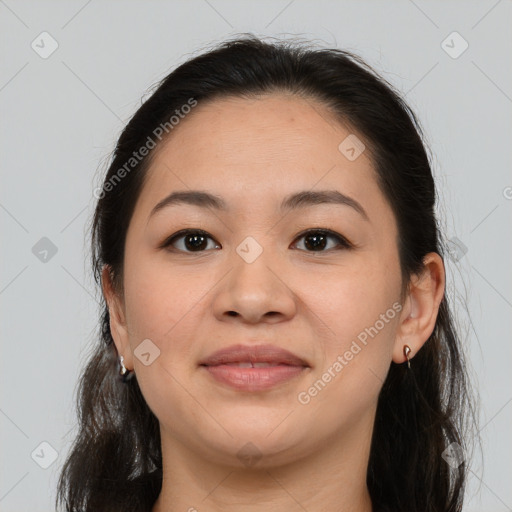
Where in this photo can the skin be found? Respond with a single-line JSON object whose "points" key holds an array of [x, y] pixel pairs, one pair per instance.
{"points": [[253, 153]]}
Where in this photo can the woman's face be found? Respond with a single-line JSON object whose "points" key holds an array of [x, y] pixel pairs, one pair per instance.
{"points": [[254, 277]]}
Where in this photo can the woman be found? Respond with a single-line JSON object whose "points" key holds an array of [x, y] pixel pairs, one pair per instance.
{"points": [[275, 332]]}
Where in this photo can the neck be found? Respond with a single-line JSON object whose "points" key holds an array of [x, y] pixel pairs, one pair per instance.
{"points": [[333, 477]]}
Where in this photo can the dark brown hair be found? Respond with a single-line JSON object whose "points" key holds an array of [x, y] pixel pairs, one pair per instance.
{"points": [[115, 463]]}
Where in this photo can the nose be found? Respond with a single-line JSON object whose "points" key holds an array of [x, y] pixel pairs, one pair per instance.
{"points": [[254, 292]]}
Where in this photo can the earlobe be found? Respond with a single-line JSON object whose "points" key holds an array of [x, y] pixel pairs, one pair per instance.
{"points": [[418, 319], [118, 327]]}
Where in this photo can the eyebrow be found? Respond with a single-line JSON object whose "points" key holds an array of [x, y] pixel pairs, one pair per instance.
{"points": [[294, 201]]}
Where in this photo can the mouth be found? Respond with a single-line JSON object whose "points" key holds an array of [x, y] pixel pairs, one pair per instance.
{"points": [[252, 364], [253, 368]]}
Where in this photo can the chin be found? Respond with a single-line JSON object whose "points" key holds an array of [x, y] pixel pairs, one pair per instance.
{"points": [[256, 445]]}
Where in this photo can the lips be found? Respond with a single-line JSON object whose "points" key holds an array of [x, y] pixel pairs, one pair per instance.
{"points": [[253, 356], [253, 368]]}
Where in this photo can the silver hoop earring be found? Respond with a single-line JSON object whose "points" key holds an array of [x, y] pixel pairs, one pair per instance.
{"points": [[123, 371], [407, 351]]}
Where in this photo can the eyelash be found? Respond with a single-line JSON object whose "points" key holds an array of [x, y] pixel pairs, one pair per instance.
{"points": [[343, 243]]}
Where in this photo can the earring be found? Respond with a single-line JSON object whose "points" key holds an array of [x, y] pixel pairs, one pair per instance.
{"points": [[124, 372], [407, 351]]}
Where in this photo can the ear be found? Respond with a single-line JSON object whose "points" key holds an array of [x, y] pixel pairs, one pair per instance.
{"points": [[421, 306], [118, 327]]}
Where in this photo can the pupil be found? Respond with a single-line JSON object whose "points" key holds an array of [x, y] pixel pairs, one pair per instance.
{"points": [[319, 241]]}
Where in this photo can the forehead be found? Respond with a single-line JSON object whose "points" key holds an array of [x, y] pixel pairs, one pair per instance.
{"points": [[242, 131], [259, 149]]}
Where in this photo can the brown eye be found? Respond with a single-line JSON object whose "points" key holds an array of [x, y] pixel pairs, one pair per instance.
{"points": [[190, 241], [316, 240]]}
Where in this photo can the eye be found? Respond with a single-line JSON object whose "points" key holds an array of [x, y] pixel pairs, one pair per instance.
{"points": [[316, 240], [194, 240]]}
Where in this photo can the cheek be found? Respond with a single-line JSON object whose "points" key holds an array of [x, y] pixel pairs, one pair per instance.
{"points": [[160, 308], [345, 386], [158, 297], [361, 308], [352, 298]]}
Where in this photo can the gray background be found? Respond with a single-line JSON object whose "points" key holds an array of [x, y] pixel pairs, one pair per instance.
{"points": [[61, 116]]}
